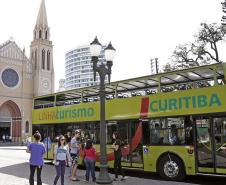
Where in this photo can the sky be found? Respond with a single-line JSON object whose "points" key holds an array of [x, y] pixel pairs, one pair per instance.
{"points": [[138, 29]]}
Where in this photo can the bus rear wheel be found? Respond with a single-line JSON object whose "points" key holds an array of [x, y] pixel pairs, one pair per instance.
{"points": [[170, 167]]}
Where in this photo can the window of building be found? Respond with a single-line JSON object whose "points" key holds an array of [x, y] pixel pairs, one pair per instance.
{"points": [[46, 35], [40, 34], [43, 59], [48, 60], [35, 58], [27, 126]]}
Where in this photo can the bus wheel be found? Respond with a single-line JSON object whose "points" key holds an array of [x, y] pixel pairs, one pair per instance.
{"points": [[170, 167]]}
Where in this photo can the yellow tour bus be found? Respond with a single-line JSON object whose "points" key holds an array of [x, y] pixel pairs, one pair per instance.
{"points": [[171, 123]]}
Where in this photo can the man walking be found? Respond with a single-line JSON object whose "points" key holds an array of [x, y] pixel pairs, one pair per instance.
{"points": [[74, 152]]}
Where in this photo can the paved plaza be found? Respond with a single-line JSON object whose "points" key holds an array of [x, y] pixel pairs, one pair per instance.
{"points": [[14, 170]]}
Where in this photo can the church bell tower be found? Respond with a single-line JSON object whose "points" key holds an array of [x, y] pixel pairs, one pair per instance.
{"points": [[41, 55]]}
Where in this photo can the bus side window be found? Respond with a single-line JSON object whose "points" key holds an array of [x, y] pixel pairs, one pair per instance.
{"points": [[156, 132]]}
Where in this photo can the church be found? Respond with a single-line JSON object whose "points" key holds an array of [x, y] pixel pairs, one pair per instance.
{"points": [[22, 78]]}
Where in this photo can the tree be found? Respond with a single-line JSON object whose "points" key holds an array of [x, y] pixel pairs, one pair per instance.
{"points": [[203, 51], [208, 38], [168, 67], [185, 56]]}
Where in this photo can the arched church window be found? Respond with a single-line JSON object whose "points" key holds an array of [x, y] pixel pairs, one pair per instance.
{"points": [[40, 34], [27, 126], [48, 60], [43, 59], [46, 36], [36, 59]]}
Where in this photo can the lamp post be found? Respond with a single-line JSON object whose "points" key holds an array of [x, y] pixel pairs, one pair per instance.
{"points": [[103, 70]]}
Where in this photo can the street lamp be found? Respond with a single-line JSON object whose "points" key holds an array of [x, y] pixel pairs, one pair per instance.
{"points": [[103, 70]]}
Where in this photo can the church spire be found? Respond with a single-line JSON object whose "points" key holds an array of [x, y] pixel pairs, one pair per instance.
{"points": [[42, 55], [41, 30], [42, 18]]}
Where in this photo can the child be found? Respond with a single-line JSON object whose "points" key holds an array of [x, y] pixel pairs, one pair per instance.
{"points": [[90, 156]]}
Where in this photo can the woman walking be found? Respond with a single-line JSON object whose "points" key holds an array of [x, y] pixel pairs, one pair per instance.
{"points": [[61, 154], [118, 155], [37, 150], [90, 156]]}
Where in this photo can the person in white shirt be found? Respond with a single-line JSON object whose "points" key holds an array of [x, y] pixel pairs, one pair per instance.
{"points": [[61, 155]]}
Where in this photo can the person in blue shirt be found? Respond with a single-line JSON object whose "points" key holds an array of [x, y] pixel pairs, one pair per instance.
{"points": [[37, 150]]}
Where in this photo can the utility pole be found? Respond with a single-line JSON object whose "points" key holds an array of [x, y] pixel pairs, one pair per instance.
{"points": [[223, 20]]}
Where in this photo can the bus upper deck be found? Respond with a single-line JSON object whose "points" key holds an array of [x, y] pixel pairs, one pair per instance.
{"points": [[198, 77]]}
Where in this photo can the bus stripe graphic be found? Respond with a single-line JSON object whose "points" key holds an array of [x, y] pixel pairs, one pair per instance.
{"points": [[144, 107]]}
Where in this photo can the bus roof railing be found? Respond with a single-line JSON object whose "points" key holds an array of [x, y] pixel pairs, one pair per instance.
{"points": [[156, 82]]}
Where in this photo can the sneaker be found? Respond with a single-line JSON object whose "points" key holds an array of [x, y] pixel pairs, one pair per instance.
{"points": [[74, 179], [124, 178], [116, 179]]}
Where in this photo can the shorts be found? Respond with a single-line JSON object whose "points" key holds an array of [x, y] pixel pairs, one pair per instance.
{"points": [[74, 158]]}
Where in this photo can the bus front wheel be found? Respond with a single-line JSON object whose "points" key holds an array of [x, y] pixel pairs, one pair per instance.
{"points": [[170, 167]]}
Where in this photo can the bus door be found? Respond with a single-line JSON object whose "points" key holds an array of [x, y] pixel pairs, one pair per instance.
{"points": [[131, 133], [211, 145], [46, 132]]}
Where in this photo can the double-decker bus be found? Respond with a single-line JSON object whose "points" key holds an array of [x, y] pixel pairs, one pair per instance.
{"points": [[172, 123]]}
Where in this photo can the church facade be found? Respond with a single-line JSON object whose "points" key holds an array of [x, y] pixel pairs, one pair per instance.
{"points": [[22, 78]]}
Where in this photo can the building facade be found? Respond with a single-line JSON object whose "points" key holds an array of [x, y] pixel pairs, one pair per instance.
{"points": [[22, 78], [61, 85], [79, 68]]}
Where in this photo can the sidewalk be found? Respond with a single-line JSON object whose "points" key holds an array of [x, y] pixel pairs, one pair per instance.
{"points": [[13, 147], [18, 175], [14, 170]]}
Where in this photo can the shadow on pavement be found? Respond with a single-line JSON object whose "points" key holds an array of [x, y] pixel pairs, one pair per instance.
{"points": [[48, 173], [22, 170], [201, 180], [19, 170]]}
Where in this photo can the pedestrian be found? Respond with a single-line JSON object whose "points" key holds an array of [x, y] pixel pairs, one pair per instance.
{"points": [[90, 159], [74, 152], [61, 155], [7, 138], [10, 139], [36, 150], [68, 143], [118, 155], [26, 141], [3, 138]]}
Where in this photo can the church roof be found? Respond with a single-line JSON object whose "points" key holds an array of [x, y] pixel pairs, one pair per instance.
{"points": [[11, 50], [42, 18]]}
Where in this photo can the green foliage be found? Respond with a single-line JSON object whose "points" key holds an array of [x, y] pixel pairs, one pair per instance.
{"points": [[201, 52]]}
